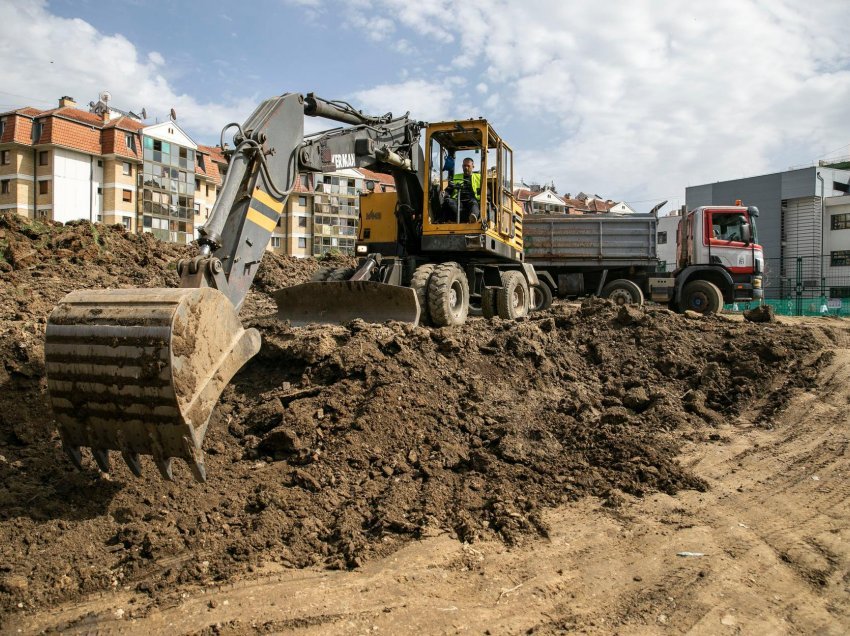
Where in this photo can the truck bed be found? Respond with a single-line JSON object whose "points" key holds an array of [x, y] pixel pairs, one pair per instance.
{"points": [[590, 240]]}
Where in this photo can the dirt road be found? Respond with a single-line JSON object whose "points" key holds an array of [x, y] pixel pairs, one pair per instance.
{"points": [[769, 546]]}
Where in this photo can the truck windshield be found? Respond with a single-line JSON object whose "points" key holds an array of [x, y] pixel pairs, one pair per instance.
{"points": [[729, 226]]}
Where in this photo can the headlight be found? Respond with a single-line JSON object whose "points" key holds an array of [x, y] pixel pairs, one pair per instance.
{"points": [[757, 282], [362, 249]]}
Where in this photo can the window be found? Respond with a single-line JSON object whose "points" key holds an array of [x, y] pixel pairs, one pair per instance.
{"points": [[36, 130], [43, 187], [2, 125], [208, 190], [42, 215], [728, 227], [4, 186], [197, 209], [127, 195], [100, 163], [839, 292], [128, 169], [302, 201], [4, 157], [662, 238], [100, 190], [841, 187], [127, 222], [302, 242], [840, 222], [42, 158], [130, 141], [197, 185], [302, 221], [275, 241], [839, 258]]}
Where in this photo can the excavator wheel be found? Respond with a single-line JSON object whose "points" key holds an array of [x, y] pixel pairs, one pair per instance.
{"points": [[512, 301], [419, 283], [448, 295], [488, 302], [140, 370]]}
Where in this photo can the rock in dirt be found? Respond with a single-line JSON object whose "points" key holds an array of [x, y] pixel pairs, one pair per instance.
{"points": [[762, 313]]}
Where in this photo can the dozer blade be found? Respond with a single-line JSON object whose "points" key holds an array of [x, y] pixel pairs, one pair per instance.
{"points": [[339, 302], [140, 370]]}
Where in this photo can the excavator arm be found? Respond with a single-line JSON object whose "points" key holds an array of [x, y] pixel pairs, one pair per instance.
{"points": [[139, 371]]}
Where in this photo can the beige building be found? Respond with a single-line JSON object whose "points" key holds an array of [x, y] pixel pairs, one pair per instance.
{"points": [[104, 165]]}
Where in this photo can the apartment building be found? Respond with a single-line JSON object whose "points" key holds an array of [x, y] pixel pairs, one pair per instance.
{"points": [[323, 211], [104, 165]]}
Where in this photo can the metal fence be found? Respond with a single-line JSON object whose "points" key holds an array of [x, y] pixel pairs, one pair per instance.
{"points": [[806, 286]]}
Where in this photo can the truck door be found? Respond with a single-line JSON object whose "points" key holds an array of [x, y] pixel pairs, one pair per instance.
{"points": [[724, 234]]}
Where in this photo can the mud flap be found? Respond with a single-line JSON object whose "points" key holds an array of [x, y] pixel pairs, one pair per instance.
{"points": [[339, 302], [140, 370]]}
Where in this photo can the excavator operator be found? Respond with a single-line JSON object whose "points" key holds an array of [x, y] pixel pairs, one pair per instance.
{"points": [[464, 192]]}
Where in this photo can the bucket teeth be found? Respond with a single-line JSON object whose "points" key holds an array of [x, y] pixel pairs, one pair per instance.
{"points": [[166, 467], [133, 462], [101, 458], [199, 470], [74, 454]]}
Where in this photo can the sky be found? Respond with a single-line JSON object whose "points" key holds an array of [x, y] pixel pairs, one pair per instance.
{"points": [[633, 100]]}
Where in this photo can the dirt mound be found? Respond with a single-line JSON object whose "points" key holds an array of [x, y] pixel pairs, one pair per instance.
{"points": [[338, 444]]}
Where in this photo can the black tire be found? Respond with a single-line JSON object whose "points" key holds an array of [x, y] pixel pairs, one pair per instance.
{"points": [[541, 297], [701, 296], [322, 274], [513, 299], [448, 295], [488, 303], [419, 283], [623, 292], [341, 273]]}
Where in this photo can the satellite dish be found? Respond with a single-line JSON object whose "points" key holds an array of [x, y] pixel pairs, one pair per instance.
{"points": [[173, 115], [105, 96], [144, 114]]}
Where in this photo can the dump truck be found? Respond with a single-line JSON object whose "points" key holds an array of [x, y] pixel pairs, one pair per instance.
{"points": [[615, 256], [139, 371]]}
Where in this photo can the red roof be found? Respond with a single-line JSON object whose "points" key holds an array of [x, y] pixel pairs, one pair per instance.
{"points": [[380, 177], [214, 152]]}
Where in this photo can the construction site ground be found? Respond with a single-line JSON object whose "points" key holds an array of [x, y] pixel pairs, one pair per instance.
{"points": [[590, 469]]}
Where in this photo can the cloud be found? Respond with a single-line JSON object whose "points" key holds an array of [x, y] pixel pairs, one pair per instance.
{"points": [[36, 61], [427, 100], [640, 99]]}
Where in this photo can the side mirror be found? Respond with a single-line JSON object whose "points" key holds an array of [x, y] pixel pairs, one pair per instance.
{"points": [[746, 233]]}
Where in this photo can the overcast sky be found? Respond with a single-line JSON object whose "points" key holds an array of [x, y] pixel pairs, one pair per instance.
{"points": [[632, 100]]}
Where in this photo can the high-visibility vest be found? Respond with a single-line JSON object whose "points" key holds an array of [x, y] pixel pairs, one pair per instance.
{"points": [[475, 182]]}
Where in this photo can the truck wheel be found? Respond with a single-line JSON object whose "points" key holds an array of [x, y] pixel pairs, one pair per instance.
{"points": [[541, 297], [321, 274], [419, 284], [513, 299], [448, 295], [623, 292], [702, 297]]}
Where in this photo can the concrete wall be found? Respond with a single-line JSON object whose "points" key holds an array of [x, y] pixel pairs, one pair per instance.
{"points": [[72, 196]]}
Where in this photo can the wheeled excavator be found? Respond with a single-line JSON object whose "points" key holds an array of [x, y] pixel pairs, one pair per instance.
{"points": [[139, 371]]}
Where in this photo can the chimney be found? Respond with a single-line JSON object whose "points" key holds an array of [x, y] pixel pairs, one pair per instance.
{"points": [[65, 100]]}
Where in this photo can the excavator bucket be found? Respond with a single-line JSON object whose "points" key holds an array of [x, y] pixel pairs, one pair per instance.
{"points": [[140, 370], [339, 302]]}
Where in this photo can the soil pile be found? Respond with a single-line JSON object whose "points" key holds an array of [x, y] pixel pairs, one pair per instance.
{"points": [[336, 444]]}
